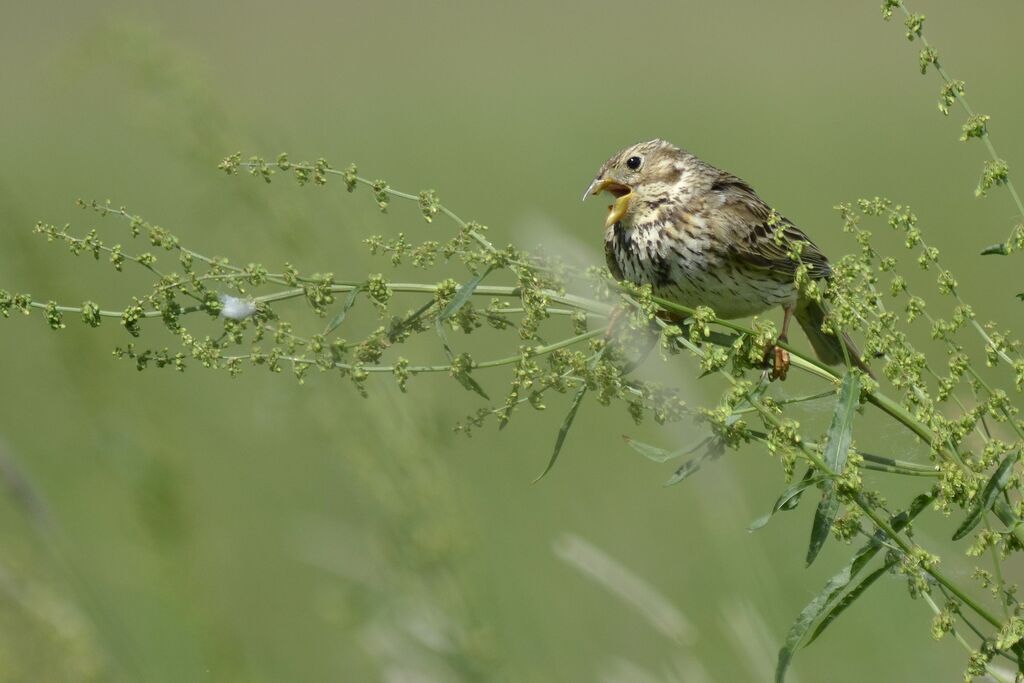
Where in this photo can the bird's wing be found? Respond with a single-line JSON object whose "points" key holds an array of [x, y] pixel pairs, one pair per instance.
{"points": [[609, 255], [752, 232]]}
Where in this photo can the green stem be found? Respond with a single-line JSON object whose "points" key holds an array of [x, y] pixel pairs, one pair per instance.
{"points": [[880, 522], [963, 642], [985, 138], [416, 369]]}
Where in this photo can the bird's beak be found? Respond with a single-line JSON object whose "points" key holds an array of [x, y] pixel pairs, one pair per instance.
{"points": [[622, 194]]}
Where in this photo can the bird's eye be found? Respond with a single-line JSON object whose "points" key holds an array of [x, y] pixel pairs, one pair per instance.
{"points": [[634, 162]]}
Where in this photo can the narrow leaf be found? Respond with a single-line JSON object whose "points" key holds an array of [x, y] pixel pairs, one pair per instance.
{"points": [[996, 483], [564, 431], [462, 376], [660, 454], [848, 600], [714, 450], [472, 385], [792, 502], [685, 470], [899, 522], [462, 296], [339, 318], [648, 451], [1005, 513], [439, 326], [806, 618], [816, 608], [813, 611], [824, 516], [840, 433], [995, 249], [837, 447], [398, 326], [788, 499]]}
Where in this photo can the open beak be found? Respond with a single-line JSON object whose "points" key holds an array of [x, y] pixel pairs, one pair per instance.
{"points": [[622, 194]]}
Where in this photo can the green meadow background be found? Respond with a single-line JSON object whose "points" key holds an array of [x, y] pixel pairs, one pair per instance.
{"points": [[189, 527]]}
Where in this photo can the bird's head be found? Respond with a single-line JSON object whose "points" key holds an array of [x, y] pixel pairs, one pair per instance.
{"points": [[638, 175]]}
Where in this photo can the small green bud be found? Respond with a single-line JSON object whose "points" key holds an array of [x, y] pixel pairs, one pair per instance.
{"points": [[350, 174], [975, 127], [914, 24], [54, 318], [995, 172], [231, 163], [950, 91], [928, 56], [91, 314]]}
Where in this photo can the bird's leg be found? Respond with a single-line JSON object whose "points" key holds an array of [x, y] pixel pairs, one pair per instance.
{"points": [[777, 358], [614, 320]]}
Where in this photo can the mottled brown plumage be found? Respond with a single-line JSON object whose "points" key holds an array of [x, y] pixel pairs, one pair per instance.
{"points": [[702, 237]]}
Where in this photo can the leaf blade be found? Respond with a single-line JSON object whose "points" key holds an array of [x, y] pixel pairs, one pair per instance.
{"points": [[837, 447], [993, 487], [463, 294], [650, 452], [688, 468], [787, 499], [339, 318], [847, 600], [838, 582], [660, 455], [808, 615], [564, 431]]}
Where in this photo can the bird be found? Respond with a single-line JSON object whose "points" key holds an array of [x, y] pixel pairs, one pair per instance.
{"points": [[700, 236]]}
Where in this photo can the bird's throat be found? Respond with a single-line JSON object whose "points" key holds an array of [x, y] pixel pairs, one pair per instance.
{"points": [[617, 210]]}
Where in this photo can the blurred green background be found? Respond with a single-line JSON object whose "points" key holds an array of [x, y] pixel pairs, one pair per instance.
{"points": [[188, 527]]}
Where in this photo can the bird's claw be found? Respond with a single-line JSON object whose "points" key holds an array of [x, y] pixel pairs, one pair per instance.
{"points": [[776, 360]]}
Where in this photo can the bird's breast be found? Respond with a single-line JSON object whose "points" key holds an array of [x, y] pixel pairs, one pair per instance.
{"points": [[683, 262], [661, 251]]}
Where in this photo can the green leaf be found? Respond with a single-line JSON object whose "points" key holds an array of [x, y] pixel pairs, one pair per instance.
{"points": [[397, 326], [899, 522], [995, 249], [818, 606], [996, 483], [444, 340], [564, 431], [837, 447], [792, 502], [336, 321], [848, 599], [715, 448], [840, 433], [806, 618], [1005, 513], [462, 296], [472, 385], [648, 451], [714, 451], [788, 499], [660, 454]]}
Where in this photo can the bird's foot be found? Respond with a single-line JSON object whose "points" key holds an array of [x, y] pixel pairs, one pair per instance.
{"points": [[776, 360]]}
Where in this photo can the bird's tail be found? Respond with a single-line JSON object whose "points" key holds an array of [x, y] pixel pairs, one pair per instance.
{"points": [[829, 348]]}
